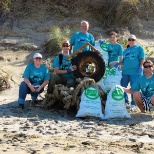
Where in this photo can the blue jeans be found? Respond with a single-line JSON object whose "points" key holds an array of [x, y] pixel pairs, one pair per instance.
{"points": [[24, 90], [124, 83], [57, 79]]}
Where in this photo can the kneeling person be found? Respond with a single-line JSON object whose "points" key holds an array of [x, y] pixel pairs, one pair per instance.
{"points": [[62, 69], [145, 84], [36, 77]]}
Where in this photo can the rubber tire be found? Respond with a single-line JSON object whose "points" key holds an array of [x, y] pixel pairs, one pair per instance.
{"points": [[81, 58]]}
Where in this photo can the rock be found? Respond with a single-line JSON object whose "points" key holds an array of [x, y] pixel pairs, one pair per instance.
{"points": [[86, 143], [132, 140]]}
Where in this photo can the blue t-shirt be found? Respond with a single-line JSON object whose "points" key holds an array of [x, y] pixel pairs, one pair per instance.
{"points": [[64, 66], [114, 51], [131, 60], [36, 75], [146, 85], [79, 39]]}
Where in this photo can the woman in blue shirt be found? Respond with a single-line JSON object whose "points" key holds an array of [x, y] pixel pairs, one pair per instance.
{"points": [[132, 65], [114, 50], [36, 77]]}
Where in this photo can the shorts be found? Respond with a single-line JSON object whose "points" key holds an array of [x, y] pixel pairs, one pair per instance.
{"points": [[146, 101]]}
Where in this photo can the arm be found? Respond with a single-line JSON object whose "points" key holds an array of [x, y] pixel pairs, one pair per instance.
{"points": [[141, 56], [72, 41], [128, 90], [120, 59], [26, 80], [92, 40], [140, 69], [58, 71], [42, 85], [120, 54], [70, 70], [141, 62], [71, 48]]}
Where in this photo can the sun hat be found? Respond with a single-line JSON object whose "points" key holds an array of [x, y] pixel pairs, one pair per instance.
{"points": [[66, 42], [132, 37], [37, 55]]}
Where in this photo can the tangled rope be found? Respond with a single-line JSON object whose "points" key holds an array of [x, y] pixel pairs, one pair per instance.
{"points": [[71, 97]]}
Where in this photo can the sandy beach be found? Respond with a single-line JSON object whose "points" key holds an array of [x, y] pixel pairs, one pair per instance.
{"points": [[35, 130]]}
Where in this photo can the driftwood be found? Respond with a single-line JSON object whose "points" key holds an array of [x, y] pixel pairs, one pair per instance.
{"points": [[70, 97], [80, 50]]}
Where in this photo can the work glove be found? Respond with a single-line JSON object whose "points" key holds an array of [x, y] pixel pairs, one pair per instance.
{"points": [[116, 65], [140, 70], [100, 41], [71, 68]]}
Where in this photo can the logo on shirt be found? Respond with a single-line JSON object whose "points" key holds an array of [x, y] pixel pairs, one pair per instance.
{"points": [[129, 55]]}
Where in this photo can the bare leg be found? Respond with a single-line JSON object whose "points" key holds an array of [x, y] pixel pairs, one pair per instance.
{"points": [[152, 99], [138, 100]]}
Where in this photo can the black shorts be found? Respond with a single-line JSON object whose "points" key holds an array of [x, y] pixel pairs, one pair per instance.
{"points": [[146, 101]]}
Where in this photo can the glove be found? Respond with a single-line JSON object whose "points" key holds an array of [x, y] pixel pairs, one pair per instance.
{"points": [[71, 69], [116, 65], [140, 70], [100, 41]]}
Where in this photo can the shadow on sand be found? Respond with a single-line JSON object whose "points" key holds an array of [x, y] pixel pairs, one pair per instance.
{"points": [[39, 113]]}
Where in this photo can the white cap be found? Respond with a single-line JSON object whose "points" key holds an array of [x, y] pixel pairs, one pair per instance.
{"points": [[132, 37], [37, 55]]}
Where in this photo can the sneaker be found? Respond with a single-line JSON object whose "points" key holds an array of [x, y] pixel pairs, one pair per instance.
{"points": [[33, 103], [133, 107], [151, 107], [127, 106], [21, 106]]}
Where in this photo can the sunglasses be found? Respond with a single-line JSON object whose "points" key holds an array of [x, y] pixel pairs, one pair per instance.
{"points": [[65, 45], [148, 66], [38, 58], [131, 40]]}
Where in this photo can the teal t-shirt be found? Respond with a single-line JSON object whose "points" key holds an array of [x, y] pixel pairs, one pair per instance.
{"points": [[146, 85], [131, 60], [64, 66], [114, 51], [36, 75], [79, 39]]}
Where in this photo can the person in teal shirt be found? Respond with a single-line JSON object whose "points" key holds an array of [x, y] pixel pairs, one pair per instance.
{"points": [[115, 50], [143, 88], [63, 70], [81, 38], [132, 65], [36, 77]]}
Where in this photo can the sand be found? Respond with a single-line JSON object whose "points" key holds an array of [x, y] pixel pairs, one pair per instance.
{"points": [[35, 130]]}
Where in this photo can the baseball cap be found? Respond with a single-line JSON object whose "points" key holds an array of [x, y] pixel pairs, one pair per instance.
{"points": [[37, 55], [132, 37]]}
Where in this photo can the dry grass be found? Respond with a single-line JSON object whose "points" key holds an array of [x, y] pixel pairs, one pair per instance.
{"points": [[107, 11], [149, 52], [4, 80]]}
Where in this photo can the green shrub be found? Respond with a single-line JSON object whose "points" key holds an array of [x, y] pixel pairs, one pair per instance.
{"points": [[56, 37], [148, 52]]}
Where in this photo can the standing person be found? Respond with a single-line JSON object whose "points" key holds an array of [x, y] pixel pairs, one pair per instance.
{"points": [[81, 38], [62, 69], [36, 77], [114, 50], [143, 88], [132, 69]]}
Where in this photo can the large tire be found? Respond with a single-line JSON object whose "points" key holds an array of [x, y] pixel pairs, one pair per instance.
{"points": [[84, 58]]}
